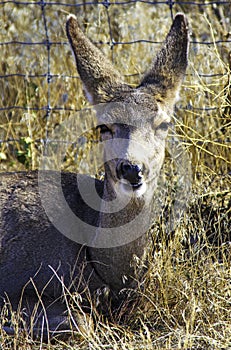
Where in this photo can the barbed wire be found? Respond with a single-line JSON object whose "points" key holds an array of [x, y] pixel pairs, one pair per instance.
{"points": [[48, 43], [106, 3]]}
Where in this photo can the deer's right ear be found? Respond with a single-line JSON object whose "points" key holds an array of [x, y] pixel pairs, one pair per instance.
{"points": [[100, 79], [168, 69]]}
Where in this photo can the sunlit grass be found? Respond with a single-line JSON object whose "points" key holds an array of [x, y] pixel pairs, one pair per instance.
{"points": [[185, 303]]}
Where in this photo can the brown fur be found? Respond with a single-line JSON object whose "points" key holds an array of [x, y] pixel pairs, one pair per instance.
{"points": [[31, 248]]}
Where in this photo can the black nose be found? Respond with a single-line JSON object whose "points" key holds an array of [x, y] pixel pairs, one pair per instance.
{"points": [[130, 172]]}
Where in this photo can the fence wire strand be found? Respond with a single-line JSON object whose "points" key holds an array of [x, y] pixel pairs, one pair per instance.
{"points": [[49, 44]]}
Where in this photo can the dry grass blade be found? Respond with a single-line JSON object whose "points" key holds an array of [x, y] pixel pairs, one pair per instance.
{"points": [[186, 302]]}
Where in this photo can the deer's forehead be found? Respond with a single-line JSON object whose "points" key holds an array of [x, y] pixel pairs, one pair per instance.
{"points": [[132, 113]]}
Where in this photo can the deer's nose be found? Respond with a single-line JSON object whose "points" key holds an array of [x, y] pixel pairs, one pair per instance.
{"points": [[130, 172]]}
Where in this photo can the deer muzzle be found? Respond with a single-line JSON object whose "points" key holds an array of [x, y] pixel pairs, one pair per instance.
{"points": [[130, 174]]}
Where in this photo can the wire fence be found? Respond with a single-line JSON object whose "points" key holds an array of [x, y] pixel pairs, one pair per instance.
{"points": [[38, 81]]}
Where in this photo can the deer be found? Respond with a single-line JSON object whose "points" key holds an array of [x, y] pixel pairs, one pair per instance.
{"points": [[53, 242]]}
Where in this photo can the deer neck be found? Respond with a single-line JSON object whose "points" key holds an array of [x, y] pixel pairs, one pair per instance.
{"points": [[118, 208], [123, 221], [116, 263]]}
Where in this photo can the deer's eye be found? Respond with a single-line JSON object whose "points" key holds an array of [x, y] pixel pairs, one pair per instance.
{"points": [[104, 129], [163, 126]]}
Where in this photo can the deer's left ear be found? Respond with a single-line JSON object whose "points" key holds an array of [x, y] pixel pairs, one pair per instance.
{"points": [[168, 69]]}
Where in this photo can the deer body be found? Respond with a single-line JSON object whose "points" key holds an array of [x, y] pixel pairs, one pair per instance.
{"points": [[36, 259]]}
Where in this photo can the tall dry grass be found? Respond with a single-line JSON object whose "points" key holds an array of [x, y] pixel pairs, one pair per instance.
{"points": [[186, 300]]}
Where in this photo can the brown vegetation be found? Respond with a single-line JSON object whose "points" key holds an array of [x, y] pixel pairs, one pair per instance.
{"points": [[185, 303]]}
